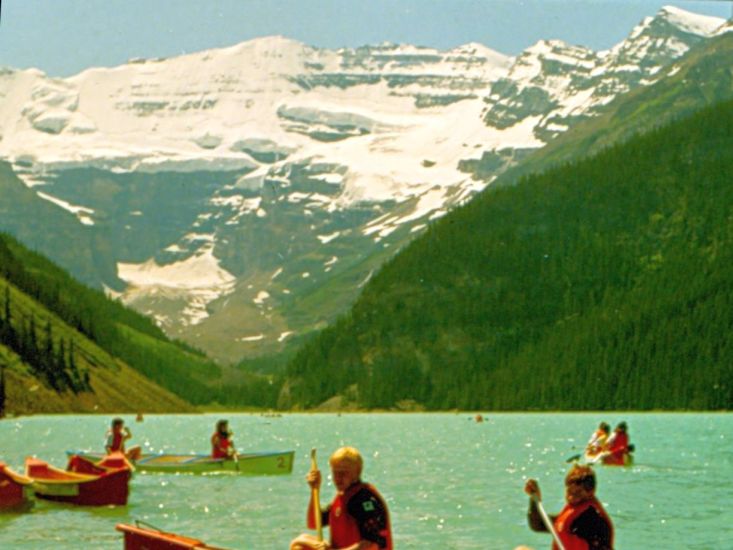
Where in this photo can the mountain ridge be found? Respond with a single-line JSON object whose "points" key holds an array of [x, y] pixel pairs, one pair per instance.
{"points": [[579, 288], [280, 181]]}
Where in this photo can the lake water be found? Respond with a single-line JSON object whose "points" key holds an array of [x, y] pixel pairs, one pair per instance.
{"points": [[450, 482]]}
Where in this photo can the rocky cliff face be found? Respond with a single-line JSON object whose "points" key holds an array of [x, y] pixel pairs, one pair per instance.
{"points": [[241, 196]]}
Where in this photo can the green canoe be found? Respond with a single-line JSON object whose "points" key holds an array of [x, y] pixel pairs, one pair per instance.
{"points": [[260, 463]]}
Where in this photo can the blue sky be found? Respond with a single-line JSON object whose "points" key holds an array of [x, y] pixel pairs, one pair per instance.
{"points": [[63, 37]]}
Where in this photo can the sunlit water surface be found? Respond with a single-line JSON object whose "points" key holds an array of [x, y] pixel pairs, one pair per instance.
{"points": [[450, 482]]}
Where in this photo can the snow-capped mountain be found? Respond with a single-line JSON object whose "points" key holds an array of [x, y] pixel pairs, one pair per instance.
{"points": [[244, 194]]}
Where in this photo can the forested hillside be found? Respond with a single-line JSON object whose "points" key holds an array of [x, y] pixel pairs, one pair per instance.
{"points": [[602, 284], [123, 333], [82, 351], [46, 365]]}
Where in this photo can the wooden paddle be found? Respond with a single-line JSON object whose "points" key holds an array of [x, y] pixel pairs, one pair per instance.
{"points": [[547, 522], [316, 498]]}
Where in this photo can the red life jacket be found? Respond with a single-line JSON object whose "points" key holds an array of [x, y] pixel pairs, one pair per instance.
{"points": [[619, 449], [344, 527], [118, 444], [565, 520], [221, 449]]}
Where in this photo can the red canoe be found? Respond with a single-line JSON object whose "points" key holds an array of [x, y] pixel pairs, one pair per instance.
{"points": [[111, 486], [109, 463], [15, 490], [144, 538]]}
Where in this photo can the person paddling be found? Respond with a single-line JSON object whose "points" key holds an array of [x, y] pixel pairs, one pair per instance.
{"points": [[616, 450], [598, 439], [116, 437], [358, 518], [222, 445], [583, 523]]}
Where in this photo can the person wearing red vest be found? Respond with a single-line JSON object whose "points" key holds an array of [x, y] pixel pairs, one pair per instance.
{"points": [[222, 445], [358, 517], [116, 437], [583, 523], [617, 449]]}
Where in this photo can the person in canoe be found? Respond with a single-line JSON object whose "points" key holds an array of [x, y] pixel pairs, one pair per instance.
{"points": [[617, 449], [116, 437], [222, 445], [358, 517], [583, 523], [598, 439]]}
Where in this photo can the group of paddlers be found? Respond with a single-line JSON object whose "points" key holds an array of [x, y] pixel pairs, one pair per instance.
{"points": [[583, 523], [358, 518], [610, 448]]}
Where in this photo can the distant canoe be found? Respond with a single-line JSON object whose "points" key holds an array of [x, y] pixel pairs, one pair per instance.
{"points": [[15, 490], [145, 538], [49, 483], [261, 463], [625, 459]]}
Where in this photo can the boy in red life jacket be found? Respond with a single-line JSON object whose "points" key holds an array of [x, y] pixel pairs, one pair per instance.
{"points": [[116, 437], [583, 523], [358, 518], [222, 445]]}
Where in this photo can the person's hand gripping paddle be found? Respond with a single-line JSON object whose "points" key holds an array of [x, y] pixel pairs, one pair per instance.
{"points": [[316, 498]]}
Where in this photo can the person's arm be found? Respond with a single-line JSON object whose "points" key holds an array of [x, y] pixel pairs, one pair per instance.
{"points": [[232, 449], [371, 516], [314, 481], [592, 528], [108, 443], [534, 519], [532, 488]]}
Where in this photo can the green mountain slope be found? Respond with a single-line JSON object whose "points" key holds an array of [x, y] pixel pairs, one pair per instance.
{"points": [[49, 366], [45, 295], [603, 284]]}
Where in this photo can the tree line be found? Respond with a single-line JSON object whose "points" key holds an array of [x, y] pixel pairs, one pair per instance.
{"points": [[120, 331], [52, 360]]}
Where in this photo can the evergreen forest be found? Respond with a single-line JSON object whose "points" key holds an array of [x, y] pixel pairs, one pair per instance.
{"points": [[602, 284], [52, 324]]}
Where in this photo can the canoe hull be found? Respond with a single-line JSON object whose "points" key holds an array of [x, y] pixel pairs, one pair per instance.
{"points": [[15, 491], [625, 459], [142, 538], [49, 483], [255, 464]]}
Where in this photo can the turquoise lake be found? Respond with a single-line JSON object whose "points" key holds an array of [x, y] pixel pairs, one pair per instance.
{"points": [[450, 482]]}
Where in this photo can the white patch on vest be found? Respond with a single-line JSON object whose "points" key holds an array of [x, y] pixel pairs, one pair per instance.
{"points": [[368, 506]]}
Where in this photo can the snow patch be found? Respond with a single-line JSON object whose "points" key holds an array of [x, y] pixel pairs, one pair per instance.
{"points": [[81, 212], [325, 239], [262, 295], [255, 338]]}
